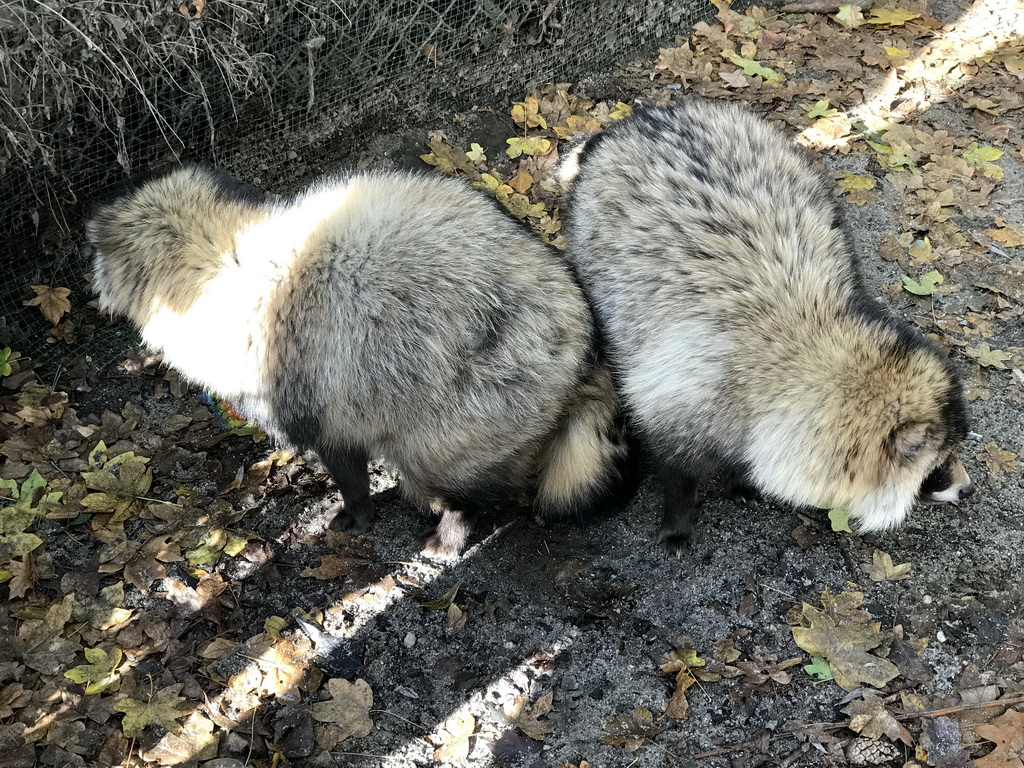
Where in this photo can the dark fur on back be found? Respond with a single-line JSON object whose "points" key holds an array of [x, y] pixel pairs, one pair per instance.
{"points": [[723, 280], [375, 315]]}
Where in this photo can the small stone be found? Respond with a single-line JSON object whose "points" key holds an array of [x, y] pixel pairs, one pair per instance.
{"points": [[410, 640]]}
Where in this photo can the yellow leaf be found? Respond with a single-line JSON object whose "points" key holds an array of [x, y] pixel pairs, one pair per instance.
{"points": [[977, 156], [531, 145], [896, 54], [891, 17], [850, 16], [851, 181], [621, 111], [476, 154]]}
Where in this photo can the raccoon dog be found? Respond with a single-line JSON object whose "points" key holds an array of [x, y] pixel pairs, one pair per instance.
{"points": [[743, 339], [375, 315]]}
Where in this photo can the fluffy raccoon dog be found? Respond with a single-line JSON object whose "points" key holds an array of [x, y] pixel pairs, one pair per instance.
{"points": [[725, 287], [375, 315]]}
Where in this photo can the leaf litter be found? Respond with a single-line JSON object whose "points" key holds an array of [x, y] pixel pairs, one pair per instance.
{"points": [[158, 538]]}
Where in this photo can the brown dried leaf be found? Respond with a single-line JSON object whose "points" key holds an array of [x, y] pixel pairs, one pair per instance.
{"points": [[846, 647], [869, 717], [997, 460], [453, 738], [526, 716], [348, 707], [630, 730], [1007, 731], [52, 302], [883, 569]]}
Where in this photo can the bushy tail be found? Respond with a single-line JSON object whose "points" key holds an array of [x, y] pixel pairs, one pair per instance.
{"points": [[588, 466]]}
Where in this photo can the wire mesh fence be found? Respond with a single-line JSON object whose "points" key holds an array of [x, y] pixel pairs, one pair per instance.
{"points": [[92, 91]]}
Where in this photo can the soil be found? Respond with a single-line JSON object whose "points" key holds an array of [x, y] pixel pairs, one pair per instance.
{"points": [[587, 611]]}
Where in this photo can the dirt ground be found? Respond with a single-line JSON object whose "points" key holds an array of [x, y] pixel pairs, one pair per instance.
{"points": [[561, 629]]}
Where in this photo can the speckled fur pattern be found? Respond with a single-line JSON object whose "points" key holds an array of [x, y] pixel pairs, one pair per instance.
{"points": [[375, 315], [725, 286]]}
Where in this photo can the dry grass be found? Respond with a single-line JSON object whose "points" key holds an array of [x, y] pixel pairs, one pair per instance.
{"points": [[72, 60]]}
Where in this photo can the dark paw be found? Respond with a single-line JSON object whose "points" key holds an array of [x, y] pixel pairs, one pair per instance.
{"points": [[354, 521], [674, 543], [746, 495]]}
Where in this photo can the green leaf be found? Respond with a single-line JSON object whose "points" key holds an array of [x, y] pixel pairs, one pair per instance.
{"points": [[821, 109], [840, 519], [19, 544], [924, 285], [100, 674], [978, 156], [819, 669], [752, 68], [442, 603], [163, 710], [5, 366]]}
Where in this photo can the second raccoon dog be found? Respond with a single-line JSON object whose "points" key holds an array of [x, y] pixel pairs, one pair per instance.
{"points": [[375, 315], [726, 289]]}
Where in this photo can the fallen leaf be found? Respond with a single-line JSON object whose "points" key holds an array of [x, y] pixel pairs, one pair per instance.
{"points": [[734, 79], [118, 494], [997, 460], [521, 182], [476, 154], [821, 109], [630, 730], [925, 285], [195, 742], [453, 738], [42, 644], [147, 565], [1008, 235], [679, 662], [870, 718], [988, 357], [846, 647], [100, 675], [882, 568], [526, 716], [52, 302], [819, 669], [753, 68], [348, 707], [531, 145], [163, 709], [850, 16], [891, 17], [1007, 732], [442, 603], [840, 520], [527, 113]]}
